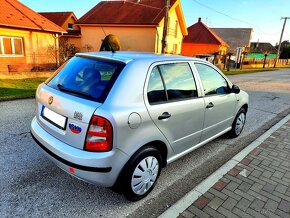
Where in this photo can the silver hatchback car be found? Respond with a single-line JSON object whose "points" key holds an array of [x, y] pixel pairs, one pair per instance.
{"points": [[115, 119]]}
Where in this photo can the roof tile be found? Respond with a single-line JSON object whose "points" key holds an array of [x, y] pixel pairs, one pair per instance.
{"points": [[15, 14], [201, 34], [146, 12]]}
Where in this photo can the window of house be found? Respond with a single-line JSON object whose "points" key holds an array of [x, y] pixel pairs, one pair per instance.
{"points": [[171, 82], [175, 49], [70, 26], [176, 29], [11, 46], [168, 26], [213, 82]]}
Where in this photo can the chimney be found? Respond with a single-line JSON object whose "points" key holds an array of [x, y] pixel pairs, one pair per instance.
{"points": [[199, 19]]}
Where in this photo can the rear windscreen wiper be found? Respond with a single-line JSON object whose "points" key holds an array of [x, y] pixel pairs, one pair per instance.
{"points": [[62, 88]]}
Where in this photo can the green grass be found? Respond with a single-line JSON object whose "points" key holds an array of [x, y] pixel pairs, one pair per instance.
{"points": [[18, 88], [244, 71]]}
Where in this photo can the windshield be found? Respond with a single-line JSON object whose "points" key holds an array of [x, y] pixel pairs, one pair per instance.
{"points": [[87, 78]]}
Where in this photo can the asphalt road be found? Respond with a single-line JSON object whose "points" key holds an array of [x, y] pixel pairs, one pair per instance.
{"points": [[31, 186]]}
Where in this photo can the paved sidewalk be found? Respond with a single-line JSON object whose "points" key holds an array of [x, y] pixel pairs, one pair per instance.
{"points": [[255, 183]]}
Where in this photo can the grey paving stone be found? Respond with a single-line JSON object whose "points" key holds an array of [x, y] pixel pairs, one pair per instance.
{"points": [[187, 214], [232, 186], [256, 173], [264, 153], [286, 180], [243, 204], [245, 195], [278, 174], [225, 180], [276, 163], [274, 154], [271, 196], [257, 195], [230, 203], [281, 213], [268, 180], [233, 178], [215, 203], [240, 213], [284, 206], [279, 181], [231, 194], [269, 213], [257, 180], [255, 213], [256, 187], [267, 174], [213, 213], [266, 162], [285, 164], [255, 162], [283, 154], [281, 196], [245, 179], [271, 205], [209, 195], [218, 194], [269, 188], [281, 188], [244, 187], [267, 168], [197, 211], [227, 213], [257, 205]]}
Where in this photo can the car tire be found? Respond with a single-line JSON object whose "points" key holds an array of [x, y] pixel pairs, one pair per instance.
{"points": [[238, 124], [141, 173]]}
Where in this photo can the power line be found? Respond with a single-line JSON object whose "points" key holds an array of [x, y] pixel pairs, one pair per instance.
{"points": [[233, 18]]}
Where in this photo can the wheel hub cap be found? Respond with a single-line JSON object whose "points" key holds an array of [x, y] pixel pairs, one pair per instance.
{"points": [[144, 175]]}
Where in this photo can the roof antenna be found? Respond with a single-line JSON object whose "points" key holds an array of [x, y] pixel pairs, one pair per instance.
{"points": [[108, 41]]}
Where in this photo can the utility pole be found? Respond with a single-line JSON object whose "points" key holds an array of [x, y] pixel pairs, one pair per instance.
{"points": [[279, 47], [167, 3]]}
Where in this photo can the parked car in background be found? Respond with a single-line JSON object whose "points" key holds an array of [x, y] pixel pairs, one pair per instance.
{"points": [[116, 119]]}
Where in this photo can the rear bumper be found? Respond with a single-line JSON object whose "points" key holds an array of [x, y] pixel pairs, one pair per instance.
{"points": [[97, 168]]}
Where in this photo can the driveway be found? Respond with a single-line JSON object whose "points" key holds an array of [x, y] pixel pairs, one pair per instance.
{"points": [[31, 186]]}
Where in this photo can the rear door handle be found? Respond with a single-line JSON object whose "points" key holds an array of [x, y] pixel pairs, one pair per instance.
{"points": [[210, 105], [164, 116]]}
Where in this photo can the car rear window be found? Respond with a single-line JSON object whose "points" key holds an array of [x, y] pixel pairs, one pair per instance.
{"points": [[86, 77]]}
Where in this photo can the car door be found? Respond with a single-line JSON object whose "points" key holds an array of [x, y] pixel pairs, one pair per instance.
{"points": [[173, 104], [220, 102]]}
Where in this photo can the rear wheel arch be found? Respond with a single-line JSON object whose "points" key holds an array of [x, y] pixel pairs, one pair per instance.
{"points": [[245, 106]]}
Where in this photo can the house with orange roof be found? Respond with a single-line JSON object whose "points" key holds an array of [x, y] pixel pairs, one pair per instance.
{"points": [[137, 24], [27, 40], [202, 41], [66, 20]]}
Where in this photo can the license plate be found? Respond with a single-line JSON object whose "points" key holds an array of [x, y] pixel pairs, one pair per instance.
{"points": [[53, 117]]}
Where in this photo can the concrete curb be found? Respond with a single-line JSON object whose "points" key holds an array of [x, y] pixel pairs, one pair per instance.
{"points": [[182, 204]]}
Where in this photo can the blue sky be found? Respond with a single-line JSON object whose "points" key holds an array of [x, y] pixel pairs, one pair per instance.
{"points": [[264, 16]]}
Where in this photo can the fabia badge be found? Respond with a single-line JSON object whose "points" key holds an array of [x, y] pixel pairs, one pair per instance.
{"points": [[75, 128], [50, 100]]}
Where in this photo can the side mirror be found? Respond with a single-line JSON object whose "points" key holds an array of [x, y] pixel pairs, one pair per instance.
{"points": [[236, 89]]}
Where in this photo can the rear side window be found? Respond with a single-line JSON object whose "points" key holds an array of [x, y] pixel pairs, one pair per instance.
{"points": [[88, 78], [213, 82], [171, 82]]}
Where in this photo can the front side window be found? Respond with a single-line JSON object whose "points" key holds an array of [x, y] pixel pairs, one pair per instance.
{"points": [[213, 82], [171, 82], [85, 77], [11, 46]]}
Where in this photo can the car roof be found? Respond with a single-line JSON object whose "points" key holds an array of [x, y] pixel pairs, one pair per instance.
{"points": [[126, 57]]}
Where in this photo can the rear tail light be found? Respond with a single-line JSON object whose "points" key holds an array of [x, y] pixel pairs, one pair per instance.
{"points": [[100, 135]]}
